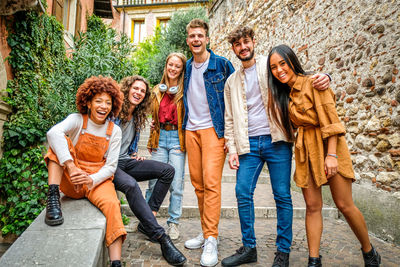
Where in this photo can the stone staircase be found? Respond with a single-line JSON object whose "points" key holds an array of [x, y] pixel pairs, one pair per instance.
{"points": [[263, 198]]}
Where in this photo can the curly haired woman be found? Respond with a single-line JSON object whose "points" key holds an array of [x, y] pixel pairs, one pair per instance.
{"points": [[132, 168], [83, 157]]}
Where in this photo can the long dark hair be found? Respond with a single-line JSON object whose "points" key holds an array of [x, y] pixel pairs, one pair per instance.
{"points": [[278, 93], [141, 111]]}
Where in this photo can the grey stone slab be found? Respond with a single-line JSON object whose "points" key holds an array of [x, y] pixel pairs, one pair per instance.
{"points": [[78, 214], [56, 248]]}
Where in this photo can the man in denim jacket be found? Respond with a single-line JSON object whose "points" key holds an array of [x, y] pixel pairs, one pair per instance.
{"points": [[203, 121]]}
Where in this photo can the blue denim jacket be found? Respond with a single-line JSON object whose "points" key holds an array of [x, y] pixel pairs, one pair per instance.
{"points": [[218, 70], [133, 147]]}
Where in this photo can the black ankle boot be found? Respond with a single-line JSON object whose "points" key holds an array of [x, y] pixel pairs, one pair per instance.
{"points": [[116, 263], [314, 262], [170, 253], [243, 255], [281, 259], [53, 206], [372, 258]]}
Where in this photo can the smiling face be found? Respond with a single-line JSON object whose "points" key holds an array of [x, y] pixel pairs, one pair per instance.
{"points": [[244, 48], [281, 70], [137, 93], [197, 41], [100, 106], [174, 69]]}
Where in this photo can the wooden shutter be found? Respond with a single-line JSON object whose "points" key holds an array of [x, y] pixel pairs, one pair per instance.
{"points": [[58, 10], [78, 18]]}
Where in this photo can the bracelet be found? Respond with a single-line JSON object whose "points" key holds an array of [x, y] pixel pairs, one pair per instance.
{"points": [[332, 155]]}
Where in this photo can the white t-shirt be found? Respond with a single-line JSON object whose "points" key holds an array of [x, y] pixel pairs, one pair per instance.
{"points": [[257, 117], [199, 116], [72, 127]]}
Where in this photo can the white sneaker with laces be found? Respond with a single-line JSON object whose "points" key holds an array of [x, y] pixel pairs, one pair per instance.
{"points": [[195, 243], [173, 231], [209, 257]]}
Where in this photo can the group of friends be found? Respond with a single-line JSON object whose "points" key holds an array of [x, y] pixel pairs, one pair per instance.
{"points": [[206, 108]]}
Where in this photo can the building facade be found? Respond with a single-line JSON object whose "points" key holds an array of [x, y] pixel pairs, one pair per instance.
{"points": [[139, 18]]}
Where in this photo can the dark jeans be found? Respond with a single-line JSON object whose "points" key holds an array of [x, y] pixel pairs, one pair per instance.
{"points": [[125, 180]]}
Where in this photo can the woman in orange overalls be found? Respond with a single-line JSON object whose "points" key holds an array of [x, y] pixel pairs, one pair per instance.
{"points": [[83, 157], [321, 153]]}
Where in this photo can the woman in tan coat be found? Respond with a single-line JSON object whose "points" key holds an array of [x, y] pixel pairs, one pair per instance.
{"points": [[321, 153], [166, 142]]}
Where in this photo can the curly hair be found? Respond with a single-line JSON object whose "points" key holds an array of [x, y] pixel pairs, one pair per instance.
{"points": [[97, 85], [240, 32], [141, 111]]}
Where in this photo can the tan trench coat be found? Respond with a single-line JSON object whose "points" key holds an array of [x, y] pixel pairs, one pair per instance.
{"points": [[313, 112]]}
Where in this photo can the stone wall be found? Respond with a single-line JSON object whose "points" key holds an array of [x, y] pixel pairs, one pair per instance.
{"points": [[358, 44]]}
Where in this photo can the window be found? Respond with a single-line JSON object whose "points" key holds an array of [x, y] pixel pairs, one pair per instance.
{"points": [[138, 31], [163, 23]]}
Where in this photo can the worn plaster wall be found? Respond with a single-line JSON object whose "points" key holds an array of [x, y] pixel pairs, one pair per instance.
{"points": [[358, 44]]}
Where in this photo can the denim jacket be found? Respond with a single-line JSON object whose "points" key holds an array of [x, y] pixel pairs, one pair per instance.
{"points": [[133, 147], [218, 70]]}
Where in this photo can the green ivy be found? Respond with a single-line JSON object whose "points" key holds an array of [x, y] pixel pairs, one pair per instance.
{"points": [[41, 94]]}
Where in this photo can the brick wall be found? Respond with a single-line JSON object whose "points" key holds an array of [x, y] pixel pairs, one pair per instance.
{"points": [[357, 42]]}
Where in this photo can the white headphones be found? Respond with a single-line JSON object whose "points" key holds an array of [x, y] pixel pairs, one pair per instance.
{"points": [[172, 90]]}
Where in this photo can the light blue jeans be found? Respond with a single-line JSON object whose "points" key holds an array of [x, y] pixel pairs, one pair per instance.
{"points": [[169, 152]]}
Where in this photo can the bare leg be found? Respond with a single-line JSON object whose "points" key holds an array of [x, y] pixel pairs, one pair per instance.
{"points": [[341, 194], [55, 172], [114, 250], [312, 197]]}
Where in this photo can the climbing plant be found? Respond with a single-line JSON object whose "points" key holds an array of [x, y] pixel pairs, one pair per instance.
{"points": [[38, 58], [41, 94]]}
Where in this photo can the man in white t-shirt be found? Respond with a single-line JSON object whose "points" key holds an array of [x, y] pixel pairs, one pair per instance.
{"points": [[254, 138], [203, 123]]}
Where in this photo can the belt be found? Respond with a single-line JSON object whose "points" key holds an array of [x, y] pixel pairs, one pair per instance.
{"points": [[168, 126]]}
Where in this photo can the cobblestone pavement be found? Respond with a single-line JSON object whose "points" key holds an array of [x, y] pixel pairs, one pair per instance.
{"points": [[339, 247]]}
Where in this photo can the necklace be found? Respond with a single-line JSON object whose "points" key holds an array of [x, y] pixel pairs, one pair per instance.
{"points": [[202, 64]]}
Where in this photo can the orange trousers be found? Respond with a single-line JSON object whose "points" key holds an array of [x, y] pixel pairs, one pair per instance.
{"points": [[102, 196], [206, 158]]}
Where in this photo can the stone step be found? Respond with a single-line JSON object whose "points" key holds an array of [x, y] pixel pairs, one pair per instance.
{"points": [[263, 201]]}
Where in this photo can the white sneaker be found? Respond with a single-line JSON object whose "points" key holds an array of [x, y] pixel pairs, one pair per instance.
{"points": [[173, 231], [209, 257], [195, 243]]}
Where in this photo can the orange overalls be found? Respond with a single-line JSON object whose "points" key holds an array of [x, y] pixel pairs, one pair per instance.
{"points": [[88, 155]]}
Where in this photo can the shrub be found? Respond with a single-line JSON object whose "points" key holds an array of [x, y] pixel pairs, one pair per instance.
{"points": [[41, 94], [173, 39]]}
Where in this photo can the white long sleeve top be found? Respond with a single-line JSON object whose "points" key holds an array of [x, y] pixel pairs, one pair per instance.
{"points": [[72, 127]]}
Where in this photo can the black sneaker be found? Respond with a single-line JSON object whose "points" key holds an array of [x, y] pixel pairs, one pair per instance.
{"points": [[142, 230], [281, 259], [372, 258], [243, 255]]}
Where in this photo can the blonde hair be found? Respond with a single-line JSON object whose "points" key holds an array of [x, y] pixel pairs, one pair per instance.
{"points": [[165, 79], [197, 23]]}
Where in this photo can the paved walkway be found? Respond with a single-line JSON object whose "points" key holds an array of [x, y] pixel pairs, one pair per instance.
{"points": [[339, 246]]}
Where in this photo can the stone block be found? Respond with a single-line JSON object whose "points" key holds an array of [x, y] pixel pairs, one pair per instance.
{"points": [[79, 241]]}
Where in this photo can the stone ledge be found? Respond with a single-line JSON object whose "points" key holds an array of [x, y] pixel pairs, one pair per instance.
{"points": [[79, 241], [232, 212]]}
